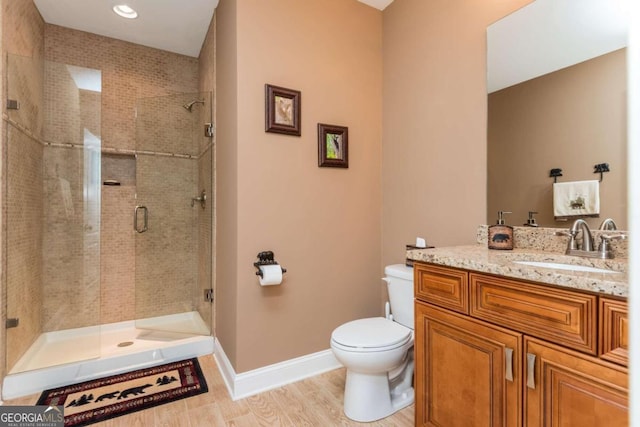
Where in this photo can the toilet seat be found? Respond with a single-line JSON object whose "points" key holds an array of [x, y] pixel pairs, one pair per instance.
{"points": [[370, 335]]}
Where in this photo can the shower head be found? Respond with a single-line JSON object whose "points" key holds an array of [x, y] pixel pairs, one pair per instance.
{"points": [[189, 105]]}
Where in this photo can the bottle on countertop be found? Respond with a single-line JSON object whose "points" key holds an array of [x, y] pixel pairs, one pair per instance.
{"points": [[531, 222], [500, 235]]}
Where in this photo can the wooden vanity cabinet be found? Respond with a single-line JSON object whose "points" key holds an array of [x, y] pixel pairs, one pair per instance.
{"points": [[467, 372], [556, 315], [513, 359], [614, 331], [567, 388], [443, 286]]}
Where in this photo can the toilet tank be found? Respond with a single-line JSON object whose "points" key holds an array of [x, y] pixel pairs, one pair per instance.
{"points": [[399, 280]]}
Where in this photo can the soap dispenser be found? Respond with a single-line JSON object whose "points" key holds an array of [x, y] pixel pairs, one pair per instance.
{"points": [[531, 222], [500, 235]]}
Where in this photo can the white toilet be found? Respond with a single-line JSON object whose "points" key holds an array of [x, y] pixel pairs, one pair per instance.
{"points": [[378, 354]]}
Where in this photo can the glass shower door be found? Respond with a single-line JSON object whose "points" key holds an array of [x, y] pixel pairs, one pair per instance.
{"points": [[173, 216], [53, 214]]}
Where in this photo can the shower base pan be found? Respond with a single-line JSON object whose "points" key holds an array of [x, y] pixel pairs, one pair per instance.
{"points": [[75, 355]]}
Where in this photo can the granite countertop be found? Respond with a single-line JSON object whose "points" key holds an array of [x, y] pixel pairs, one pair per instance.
{"points": [[480, 258]]}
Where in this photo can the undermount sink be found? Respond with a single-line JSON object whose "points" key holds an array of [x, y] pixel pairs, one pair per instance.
{"points": [[560, 266]]}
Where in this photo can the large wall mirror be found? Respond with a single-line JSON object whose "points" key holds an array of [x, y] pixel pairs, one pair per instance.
{"points": [[557, 99]]}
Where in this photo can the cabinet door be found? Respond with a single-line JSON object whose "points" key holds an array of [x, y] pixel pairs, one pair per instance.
{"points": [[468, 373], [614, 331], [567, 388]]}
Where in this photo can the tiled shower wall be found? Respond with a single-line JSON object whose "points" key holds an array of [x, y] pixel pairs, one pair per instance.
{"points": [[131, 72], [166, 279], [116, 271], [70, 255], [24, 240], [23, 51]]}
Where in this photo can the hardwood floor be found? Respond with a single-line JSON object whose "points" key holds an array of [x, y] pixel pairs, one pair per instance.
{"points": [[315, 401]]}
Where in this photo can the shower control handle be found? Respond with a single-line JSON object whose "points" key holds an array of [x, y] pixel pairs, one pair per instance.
{"points": [[202, 199], [145, 224]]}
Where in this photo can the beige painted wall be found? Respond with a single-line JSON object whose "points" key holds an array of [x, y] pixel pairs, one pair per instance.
{"points": [[570, 119], [323, 224], [226, 177], [434, 120]]}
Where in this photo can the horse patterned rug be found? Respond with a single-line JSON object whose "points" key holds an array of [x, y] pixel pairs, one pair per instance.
{"points": [[98, 400]]}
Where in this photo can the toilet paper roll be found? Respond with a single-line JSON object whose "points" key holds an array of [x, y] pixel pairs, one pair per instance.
{"points": [[271, 275]]}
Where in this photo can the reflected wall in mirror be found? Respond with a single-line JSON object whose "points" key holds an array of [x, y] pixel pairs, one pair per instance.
{"points": [[555, 114]]}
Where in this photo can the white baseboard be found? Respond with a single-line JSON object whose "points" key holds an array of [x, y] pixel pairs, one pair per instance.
{"points": [[269, 377]]}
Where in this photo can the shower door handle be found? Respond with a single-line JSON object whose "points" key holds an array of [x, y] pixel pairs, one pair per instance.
{"points": [[145, 224]]}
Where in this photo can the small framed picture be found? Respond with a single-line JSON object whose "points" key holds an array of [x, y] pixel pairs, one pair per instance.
{"points": [[282, 110], [333, 146]]}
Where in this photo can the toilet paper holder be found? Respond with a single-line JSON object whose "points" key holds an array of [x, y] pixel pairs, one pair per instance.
{"points": [[266, 258]]}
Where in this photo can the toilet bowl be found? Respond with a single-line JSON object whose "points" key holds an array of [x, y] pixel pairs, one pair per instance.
{"points": [[377, 353], [378, 356]]}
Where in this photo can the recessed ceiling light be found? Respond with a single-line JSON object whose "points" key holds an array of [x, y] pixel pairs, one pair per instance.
{"points": [[125, 11]]}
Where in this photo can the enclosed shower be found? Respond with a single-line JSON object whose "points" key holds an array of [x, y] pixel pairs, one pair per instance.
{"points": [[109, 249]]}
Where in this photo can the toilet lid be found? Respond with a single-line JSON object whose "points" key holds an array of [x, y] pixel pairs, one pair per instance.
{"points": [[373, 332]]}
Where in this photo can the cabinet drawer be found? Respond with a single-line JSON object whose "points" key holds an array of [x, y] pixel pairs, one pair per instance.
{"points": [[614, 331], [565, 317], [442, 286]]}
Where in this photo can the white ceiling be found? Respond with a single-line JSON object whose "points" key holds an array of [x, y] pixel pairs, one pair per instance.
{"points": [[548, 35], [543, 36], [378, 4], [178, 26]]}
